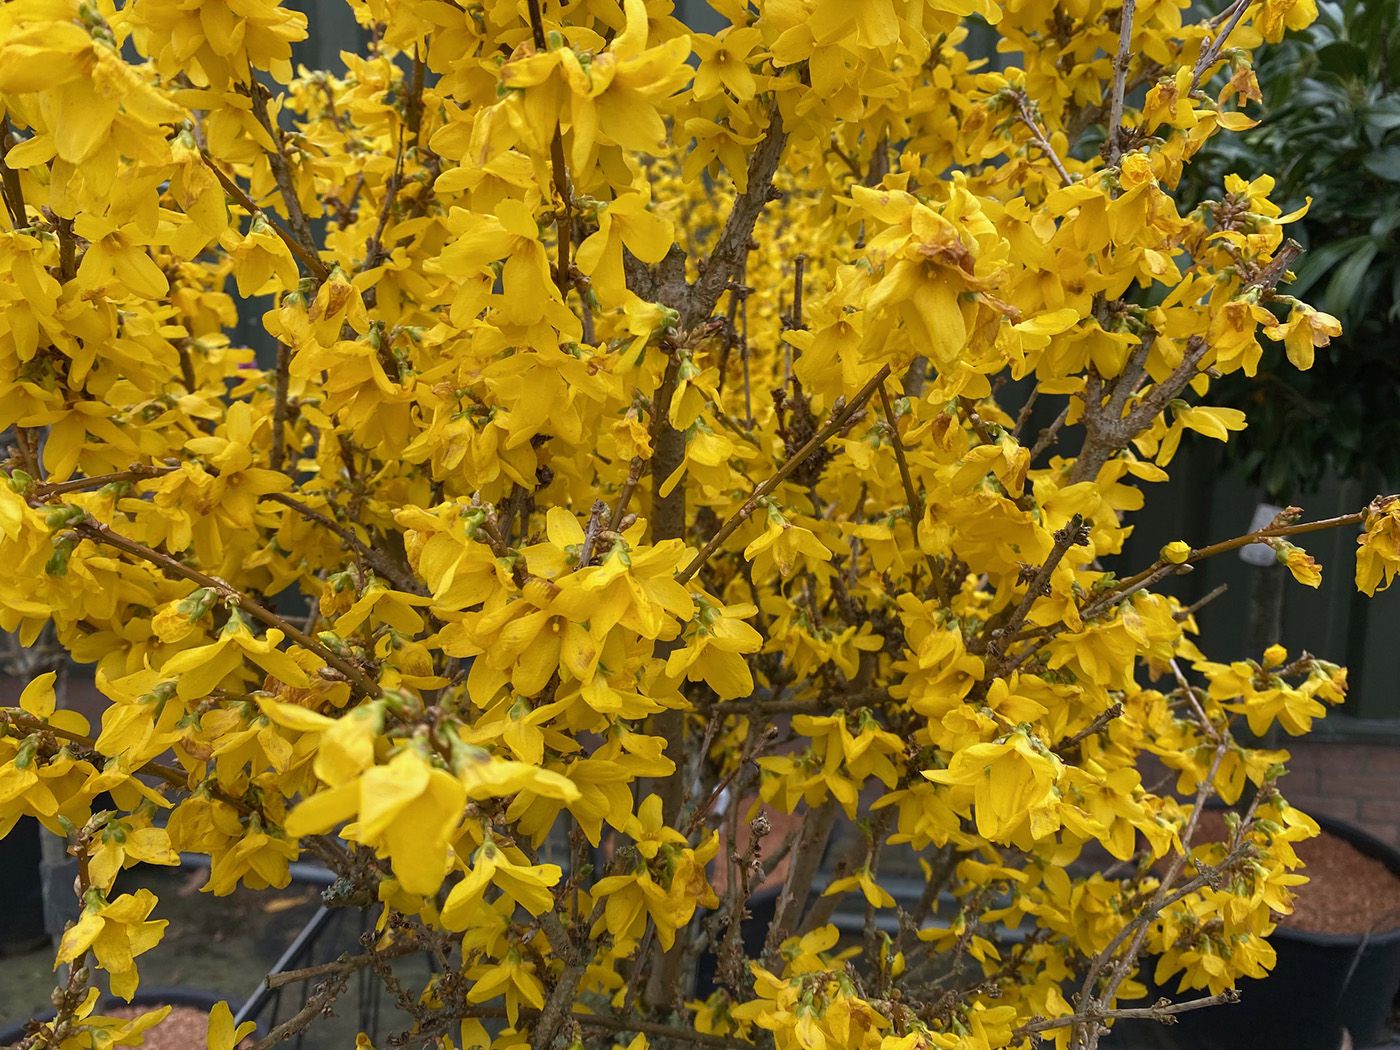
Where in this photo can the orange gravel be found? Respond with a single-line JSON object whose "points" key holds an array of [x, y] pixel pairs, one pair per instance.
{"points": [[1349, 892], [186, 1027]]}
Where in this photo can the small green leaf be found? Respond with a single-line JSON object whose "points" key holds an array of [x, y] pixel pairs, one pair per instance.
{"points": [[1384, 163], [1341, 294]]}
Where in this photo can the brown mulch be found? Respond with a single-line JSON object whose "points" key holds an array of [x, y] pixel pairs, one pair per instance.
{"points": [[185, 1028], [1349, 892]]}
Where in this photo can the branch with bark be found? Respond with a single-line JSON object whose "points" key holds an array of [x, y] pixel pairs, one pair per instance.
{"points": [[841, 415], [92, 529]]}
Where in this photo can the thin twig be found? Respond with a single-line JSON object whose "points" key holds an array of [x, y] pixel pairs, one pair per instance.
{"points": [[1201, 603], [1210, 52], [591, 533], [624, 496], [1207, 726], [1098, 725], [376, 560], [1049, 435], [911, 494], [136, 472], [1074, 534], [683, 1036], [1027, 117], [916, 503], [316, 1005], [1023, 416], [99, 533], [1121, 61], [1268, 532], [1164, 897], [308, 257], [281, 165], [1162, 1011], [342, 965], [841, 415]]}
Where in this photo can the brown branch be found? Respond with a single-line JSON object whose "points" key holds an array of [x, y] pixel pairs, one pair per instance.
{"points": [[559, 168], [136, 472], [1074, 534], [559, 1006], [25, 722], [624, 496], [27, 448], [1023, 416], [67, 248], [667, 453], [413, 104], [1116, 594], [742, 290], [343, 965], [855, 169], [1210, 51], [69, 996], [806, 859], [1201, 603], [374, 247], [1121, 61], [840, 416], [1208, 727], [995, 637], [308, 257], [316, 1005], [1049, 435], [282, 168], [680, 1036], [1027, 117], [1086, 1035], [94, 530], [322, 846], [916, 504], [377, 560], [1269, 276], [976, 422], [1225, 546], [1162, 1011], [278, 454], [1098, 725], [590, 535], [752, 706], [1108, 431], [10, 186], [187, 373], [732, 247]]}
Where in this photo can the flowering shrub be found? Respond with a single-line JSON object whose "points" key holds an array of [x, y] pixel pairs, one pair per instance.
{"points": [[661, 449]]}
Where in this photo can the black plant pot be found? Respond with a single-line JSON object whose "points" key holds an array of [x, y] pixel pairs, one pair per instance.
{"points": [[22, 917], [1321, 984]]}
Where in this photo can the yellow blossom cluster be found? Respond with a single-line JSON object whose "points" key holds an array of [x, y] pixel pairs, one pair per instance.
{"points": [[661, 432]]}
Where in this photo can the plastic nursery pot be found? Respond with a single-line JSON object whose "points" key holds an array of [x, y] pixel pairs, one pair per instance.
{"points": [[148, 998], [1322, 983], [21, 888]]}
